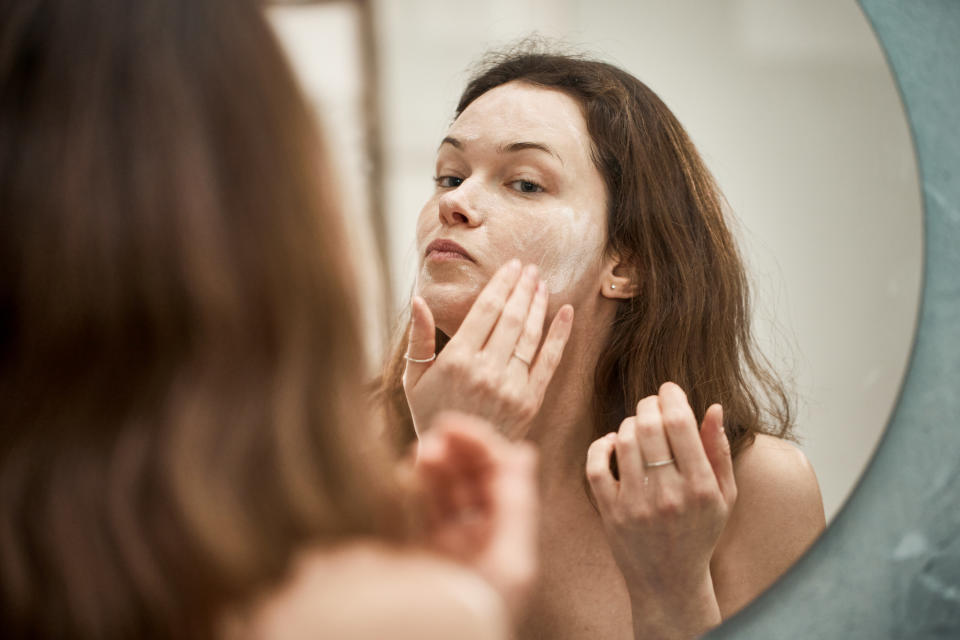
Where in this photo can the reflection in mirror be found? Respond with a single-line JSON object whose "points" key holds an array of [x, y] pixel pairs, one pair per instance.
{"points": [[794, 112]]}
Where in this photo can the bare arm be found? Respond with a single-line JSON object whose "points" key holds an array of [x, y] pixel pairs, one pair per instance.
{"points": [[778, 514]]}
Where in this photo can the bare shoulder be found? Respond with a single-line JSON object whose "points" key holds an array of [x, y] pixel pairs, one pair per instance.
{"points": [[778, 514], [773, 469], [369, 590]]}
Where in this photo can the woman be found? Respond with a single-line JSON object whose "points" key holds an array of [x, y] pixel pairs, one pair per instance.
{"points": [[180, 418], [697, 503]]}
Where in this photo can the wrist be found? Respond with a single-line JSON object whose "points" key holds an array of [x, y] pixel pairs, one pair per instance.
{"points": [[683, 614]]}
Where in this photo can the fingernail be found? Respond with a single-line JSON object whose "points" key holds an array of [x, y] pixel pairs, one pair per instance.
{"points": [[530, 271]]}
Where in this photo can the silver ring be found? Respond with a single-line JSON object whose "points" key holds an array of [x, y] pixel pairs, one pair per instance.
{"points": [[523, 360], [660, 463], [420, 360]]}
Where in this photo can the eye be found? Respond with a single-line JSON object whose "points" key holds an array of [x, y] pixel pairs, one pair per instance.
{"points": [[448, 182], [526, 186]]}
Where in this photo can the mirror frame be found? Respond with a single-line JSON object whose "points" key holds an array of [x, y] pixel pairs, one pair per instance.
{"points": [[889, 564]]}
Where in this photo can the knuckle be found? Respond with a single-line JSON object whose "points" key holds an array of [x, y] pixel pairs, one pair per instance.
{"points": [[704, 496], [647, 428], [627, 436], [669, 505], [529, 408], [521, 405], [486, 304], [511, 320], [595, 473], [620, 517], [638, 513], [674, 419], [514, 400]]}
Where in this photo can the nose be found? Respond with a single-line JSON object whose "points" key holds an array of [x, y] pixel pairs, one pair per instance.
{"points": [[457, 206]]}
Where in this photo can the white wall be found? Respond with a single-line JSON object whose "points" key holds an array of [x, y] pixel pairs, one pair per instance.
{"points": [[794, 110]]}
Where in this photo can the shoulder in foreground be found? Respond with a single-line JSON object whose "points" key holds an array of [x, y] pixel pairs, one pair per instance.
{"points": [[369, 590], [777, 516]]}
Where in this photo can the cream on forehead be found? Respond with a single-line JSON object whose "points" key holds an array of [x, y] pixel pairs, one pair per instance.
{"points": [[515, 110]]}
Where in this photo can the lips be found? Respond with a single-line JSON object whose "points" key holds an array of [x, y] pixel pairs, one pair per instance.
{"points": [[448, 248]]}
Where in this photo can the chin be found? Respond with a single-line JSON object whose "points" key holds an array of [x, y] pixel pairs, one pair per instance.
{"points": [[449, 303]]}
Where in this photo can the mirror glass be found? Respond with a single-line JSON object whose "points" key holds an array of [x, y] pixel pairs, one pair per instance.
{"points": [[791, 105]]}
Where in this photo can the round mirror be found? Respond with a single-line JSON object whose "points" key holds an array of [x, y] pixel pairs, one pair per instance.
{"points": [[792, 107], [795, 112]]}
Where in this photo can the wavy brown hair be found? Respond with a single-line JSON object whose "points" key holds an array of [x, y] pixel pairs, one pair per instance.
{"points": [[179, 361], [690, 320]]}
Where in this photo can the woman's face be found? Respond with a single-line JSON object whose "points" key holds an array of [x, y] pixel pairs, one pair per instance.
{"points": [[515, 179]]}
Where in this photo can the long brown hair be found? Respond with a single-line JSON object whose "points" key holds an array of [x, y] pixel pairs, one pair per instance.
{"points": [[179, 361], [690, 320]]}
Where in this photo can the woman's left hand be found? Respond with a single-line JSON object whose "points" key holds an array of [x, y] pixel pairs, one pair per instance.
{"points": [[664, 515], [479, 502]]}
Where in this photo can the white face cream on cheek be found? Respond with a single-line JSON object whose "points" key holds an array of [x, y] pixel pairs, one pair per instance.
{"points": [[570, 244]]}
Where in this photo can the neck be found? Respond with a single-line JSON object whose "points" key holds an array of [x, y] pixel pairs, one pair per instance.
{"points": [[563, 428]]}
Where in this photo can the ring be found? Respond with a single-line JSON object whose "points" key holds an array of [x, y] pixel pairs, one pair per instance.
{"points": [[523, 360], [420, 360], [660, 463]]}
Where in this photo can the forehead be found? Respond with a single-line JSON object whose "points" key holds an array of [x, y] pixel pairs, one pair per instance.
{"points": [[518, 110]]}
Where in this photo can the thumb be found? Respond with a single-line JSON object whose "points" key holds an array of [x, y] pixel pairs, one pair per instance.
{"points": [[717, 447], [422, 343]]}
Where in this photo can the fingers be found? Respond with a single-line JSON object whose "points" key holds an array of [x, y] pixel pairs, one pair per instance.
{"points": [[453, 466], [602, 483], [492, 480], [547, 360], [529, 341], [717, 449], [630, 457], [503, 340], [471, 442], [680, 429], [514, 508], [485, 312], [652, 439], [422, 343]]}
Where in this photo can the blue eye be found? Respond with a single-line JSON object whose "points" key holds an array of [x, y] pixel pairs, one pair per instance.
{"points": [[526, 186], [448, 182]]}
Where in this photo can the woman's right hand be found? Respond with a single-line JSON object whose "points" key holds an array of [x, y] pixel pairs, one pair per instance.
{"points": [[494, 366]]}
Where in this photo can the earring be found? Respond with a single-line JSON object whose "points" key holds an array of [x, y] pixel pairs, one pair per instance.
{"points": [[613, 286]]}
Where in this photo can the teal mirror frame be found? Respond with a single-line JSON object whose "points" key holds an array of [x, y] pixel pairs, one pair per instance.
{"points": [[889, 564]]}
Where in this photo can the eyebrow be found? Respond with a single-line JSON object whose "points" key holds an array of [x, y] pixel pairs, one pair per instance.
{"points": [[513, 147]]}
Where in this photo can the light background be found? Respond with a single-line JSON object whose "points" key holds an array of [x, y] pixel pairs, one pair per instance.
{"points": [[791, 105]]}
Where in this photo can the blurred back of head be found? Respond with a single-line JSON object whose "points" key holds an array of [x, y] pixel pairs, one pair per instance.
{"points": [[179, 364]]}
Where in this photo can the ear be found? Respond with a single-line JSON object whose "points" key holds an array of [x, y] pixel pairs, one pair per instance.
{"points": [[617, 279]]}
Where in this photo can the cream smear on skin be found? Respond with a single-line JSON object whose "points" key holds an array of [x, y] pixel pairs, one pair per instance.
{"points": [[567, 241]]}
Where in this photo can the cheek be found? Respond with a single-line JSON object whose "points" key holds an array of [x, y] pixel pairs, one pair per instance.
{"points": [[568, 247]]}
